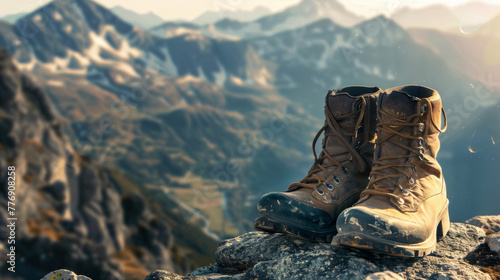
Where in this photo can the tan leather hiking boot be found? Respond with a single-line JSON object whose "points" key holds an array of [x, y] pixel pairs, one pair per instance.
{"points": [[309, 209], [404, 209]]}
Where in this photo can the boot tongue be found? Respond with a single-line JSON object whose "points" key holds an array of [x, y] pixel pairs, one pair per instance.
{"points": [[339, 104], [399, 105]]}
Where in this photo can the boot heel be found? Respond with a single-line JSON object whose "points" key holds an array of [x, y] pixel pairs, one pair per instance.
{"points": [[444, 224]]}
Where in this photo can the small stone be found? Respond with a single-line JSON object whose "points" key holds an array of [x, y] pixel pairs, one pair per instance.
{"points": [[63, 274], [384, 275], [163, 275]]}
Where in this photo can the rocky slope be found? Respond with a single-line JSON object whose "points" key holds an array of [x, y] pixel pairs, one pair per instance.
{"points": [[71, 212], [256, 255]]}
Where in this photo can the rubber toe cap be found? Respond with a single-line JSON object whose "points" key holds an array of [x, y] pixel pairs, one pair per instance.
{"points": [[365, 221], [279, 206]]}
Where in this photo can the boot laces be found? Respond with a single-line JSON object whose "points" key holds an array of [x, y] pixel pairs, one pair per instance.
{"points": [[332, 128], [385, 175]]}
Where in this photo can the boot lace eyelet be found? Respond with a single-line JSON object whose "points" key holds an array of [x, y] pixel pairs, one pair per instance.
{"points": [[320, 191], [345, 170], [401, 201], [424, 109], [415, 169], [405, 192], [421, 142], [421, 127], [336, 180], [358, 144], [411, 181], [421, 153], [329, 187], [360, 129]]}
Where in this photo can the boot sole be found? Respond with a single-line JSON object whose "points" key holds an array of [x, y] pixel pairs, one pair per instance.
{"points": [[366, 242], [264, 223]]}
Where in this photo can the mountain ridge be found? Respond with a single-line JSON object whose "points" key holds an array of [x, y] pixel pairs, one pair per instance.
{"points": [[104, 35], [243, 15], [144, 20], [303, 13]]}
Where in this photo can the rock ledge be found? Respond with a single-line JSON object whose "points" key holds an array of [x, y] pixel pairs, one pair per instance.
{"points": [[463, 254], [257, 255]]}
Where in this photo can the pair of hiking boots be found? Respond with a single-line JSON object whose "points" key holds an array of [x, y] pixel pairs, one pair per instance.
{"points": [[376, 185]]}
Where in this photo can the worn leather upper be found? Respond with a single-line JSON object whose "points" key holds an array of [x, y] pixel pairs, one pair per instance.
{"points": [[406, 194], [340, 173]]}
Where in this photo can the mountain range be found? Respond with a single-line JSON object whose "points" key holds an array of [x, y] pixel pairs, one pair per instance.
{"points": [[173, 124], [206, 118], [241, 15], [13, 17], [463, 18], [305, 12]]}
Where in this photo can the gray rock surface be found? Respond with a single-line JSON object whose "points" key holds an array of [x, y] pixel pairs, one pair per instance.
{"points": [[487, 222], [493, 241], [258, 255], [460, 240]]}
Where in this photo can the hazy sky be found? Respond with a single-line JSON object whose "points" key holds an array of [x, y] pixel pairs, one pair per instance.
{"points": [[189, 9]]}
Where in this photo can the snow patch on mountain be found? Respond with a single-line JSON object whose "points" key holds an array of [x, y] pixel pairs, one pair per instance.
{"points": [[201, 73], [168, 67], [99, 42], [126, 68], [55, 83], [174, 32], [57, 16], [26, 66], [189, 79], [263, 77], [57, 64], [68, 28], [82, 60], [221, 76]]}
